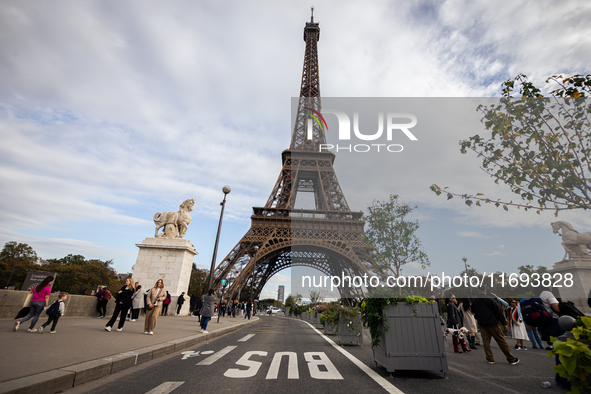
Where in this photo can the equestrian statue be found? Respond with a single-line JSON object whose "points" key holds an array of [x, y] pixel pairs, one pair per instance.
{"points": [[576, 245], [175, 223]]}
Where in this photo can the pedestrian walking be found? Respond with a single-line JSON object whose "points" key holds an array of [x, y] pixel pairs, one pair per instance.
{"points": [[488, 315], [122, 305], [39, 300], [137, 302], [207, 310], [165, 304], [53, 319], [247, 310], [179, 302], [454, 322], [553, 329], [193, 304], [534, 337], [154, 300], [199, 307], [469, 321]]}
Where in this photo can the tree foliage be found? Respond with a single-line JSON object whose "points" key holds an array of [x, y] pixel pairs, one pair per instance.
{"points": [[540, 146], [391, 237], [15, 260], [198, 282], [76, 275]]}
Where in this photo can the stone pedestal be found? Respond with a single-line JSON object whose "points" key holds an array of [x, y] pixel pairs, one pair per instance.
{"points": [[578, 293], [169, 259]]}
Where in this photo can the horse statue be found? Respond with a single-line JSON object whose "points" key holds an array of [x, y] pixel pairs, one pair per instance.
{"points": [[575, 244], [175, 223]]}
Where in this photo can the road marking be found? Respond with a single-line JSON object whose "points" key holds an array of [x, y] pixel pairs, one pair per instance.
{"points": [[216, 356], [165, 388], [246, 338], [188, 354], [331, 372], [292, 365], [253, 366], [207, 352], [389, 387]]}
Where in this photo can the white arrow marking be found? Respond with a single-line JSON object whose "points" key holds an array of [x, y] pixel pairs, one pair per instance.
{"points": [[165, 388], [246, 338]]}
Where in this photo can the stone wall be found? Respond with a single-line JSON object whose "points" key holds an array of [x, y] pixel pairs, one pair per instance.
{"points": [[12, 301]]}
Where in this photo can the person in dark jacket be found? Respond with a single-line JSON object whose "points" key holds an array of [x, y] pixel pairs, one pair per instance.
{"points": [[454, 320], [199, 307], [122, 305], [180, 301], [488, 314]]}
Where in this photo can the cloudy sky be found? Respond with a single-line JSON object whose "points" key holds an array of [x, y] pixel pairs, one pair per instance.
{"points": [[113, 111]]}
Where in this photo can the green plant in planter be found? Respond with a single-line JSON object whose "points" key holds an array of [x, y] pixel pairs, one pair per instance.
{"points": [[575, 357], [373, 311]]}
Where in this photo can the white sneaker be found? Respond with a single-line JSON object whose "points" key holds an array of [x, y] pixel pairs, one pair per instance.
{"points": [[151, 332], [205, 332], [120, 329], [146, 333], [16, 325], [107, 328]]}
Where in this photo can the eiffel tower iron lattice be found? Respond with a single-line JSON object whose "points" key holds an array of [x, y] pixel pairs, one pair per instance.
{"points": [[327, 238]]}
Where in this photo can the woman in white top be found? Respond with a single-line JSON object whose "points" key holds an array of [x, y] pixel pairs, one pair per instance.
{"points": [[515, 322]]}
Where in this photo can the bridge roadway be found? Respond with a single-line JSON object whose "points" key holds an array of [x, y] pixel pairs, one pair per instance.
{"points": [[281, 354]]}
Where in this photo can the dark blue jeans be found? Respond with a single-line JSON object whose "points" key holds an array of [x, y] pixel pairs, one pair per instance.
{"points": [[204, 321], [36, 309]]}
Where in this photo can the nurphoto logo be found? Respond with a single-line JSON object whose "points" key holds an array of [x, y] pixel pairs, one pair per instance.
{"points": [[395, 123]]}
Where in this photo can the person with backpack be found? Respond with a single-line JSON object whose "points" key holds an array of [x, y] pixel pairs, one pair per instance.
{"points": [[165, 304], [55, 311], [103, 296], [552, 329], [489, 316], [39, 300], [122, 305]]}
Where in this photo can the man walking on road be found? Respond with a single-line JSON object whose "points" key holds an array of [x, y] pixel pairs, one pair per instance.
{"points": [[489, 316]]}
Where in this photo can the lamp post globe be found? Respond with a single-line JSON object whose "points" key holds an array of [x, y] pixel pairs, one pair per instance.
{"points": [[226, 189]]}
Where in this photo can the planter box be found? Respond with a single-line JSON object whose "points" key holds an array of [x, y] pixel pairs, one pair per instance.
{"points": [[330, 329], [413, 342], [317, 321], [347, 335]]}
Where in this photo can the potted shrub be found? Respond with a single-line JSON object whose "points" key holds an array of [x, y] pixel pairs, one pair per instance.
{"points": [[405, 332], [575, 357]]}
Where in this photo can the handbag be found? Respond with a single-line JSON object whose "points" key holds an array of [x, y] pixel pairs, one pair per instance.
{"points": [[155, 303]]}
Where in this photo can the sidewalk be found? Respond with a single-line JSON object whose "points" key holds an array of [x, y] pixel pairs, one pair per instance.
{"points": [[82, 350]]}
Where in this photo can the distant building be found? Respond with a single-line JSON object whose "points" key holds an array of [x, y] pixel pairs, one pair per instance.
{"points": [[280, 293]]}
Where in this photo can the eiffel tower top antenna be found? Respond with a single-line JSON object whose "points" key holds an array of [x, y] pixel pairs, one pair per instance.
{"points": [[312, 18]]}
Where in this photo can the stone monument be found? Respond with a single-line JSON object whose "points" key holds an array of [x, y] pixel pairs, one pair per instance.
{"points": [[168, 256], [576, 261]]}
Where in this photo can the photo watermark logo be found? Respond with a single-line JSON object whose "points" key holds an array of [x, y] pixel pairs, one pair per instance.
{"points": [[394, 122]]}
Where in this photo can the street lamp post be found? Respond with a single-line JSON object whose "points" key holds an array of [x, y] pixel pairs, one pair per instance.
{"points": [[226, 189], [466, 265], [256, 249]]}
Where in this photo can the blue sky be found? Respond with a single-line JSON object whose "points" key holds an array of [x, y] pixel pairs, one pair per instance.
{"points": [[111, 112]]}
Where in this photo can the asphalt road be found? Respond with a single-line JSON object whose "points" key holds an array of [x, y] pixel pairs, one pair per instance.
{"points": [[285, 355]]}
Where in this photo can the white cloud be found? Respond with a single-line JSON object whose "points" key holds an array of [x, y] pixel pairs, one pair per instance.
{"points": [[111, 113], [471, 234]]}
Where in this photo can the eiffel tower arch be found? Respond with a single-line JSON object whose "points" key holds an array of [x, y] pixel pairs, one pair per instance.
{"points": [[328, 237]]}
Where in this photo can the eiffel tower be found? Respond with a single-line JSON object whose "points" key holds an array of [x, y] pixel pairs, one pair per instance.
{"points": [[327, 238]]}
